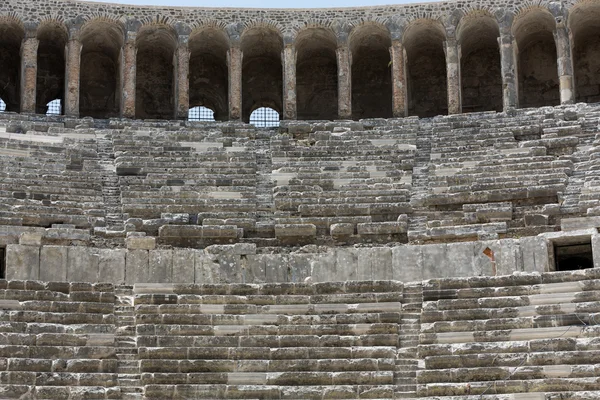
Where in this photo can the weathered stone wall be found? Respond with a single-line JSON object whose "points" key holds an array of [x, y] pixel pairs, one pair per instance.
{"points": [[308, 191], [135, 61], [520, 336], [241, 264]]}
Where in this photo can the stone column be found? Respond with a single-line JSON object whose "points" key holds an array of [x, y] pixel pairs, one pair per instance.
{"points": [[234, 61], [182, 79], [29, 52], [128, 71], [508, 61], [72, 75], [564, 62], [399, 99], [289, 82], [344, 68], [453, 76]]}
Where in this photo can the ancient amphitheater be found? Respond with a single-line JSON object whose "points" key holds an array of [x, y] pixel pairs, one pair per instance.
{"points": [[418, 220]]}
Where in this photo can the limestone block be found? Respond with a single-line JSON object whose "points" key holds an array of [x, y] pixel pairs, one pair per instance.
{"points": [[534, 254], [374, 263], [596, 250], [230, 268], [488, 212], [30, 239], [346, 264], [172, 218], [435, 261], [536, 219], [324, 267], [183, 265], [277, 268], [207, 268], [141, 243], [198, 231], [136, 266], [160, 266], [342, 229], [22, 262], [381, 228], [111, 265], [239, 249], [407, 263], [255, 271], [53, 263], [82, 264], [459, 259], [574, 224], [299, 266], [295, 230]]}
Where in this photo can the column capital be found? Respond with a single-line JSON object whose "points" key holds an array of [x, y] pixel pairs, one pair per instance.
{"points": [[74, 33], [130, 37]]}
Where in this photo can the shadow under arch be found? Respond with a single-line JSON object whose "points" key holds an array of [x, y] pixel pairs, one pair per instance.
{"points": [[262, 71], [480, 64], [426, 63], [50, 83], [11, 37], [155, 73], [316, 74], [536, 60], [209, 75], [100, 88], [371, 71], [584, 22]]}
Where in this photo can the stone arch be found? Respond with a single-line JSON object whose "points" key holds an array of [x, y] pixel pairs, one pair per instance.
{"points": [[426, 64], [316, 73], [52, 36], [155, 73], [536, 61], [371, 71], [209, 74], [584, 22], [481, 75], [11, 37], [262, 71], [100, 87]]}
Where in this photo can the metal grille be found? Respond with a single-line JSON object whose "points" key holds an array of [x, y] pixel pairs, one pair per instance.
{"points": [[201, 113], [2, 105], [264, 117], [54, 107]]}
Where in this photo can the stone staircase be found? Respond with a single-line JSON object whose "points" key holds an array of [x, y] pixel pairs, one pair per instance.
{"points": [[111, 191], [528, 336], [407, 363], [128, 364]]}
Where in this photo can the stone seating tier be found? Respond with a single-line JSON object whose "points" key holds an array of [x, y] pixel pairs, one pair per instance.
{"points": [[413, 176]]}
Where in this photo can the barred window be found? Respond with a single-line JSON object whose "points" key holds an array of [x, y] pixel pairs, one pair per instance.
{"points": [[2, 105], [264, 117], [54, 107], [201, 113]]}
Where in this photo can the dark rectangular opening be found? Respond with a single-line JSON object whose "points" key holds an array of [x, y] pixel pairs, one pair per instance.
{"points": [[573, 256]]}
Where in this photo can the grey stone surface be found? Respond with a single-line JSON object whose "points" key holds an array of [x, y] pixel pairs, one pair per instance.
{"points": [[22, 262], [82, 265], [53, 263], [111, 265]]}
